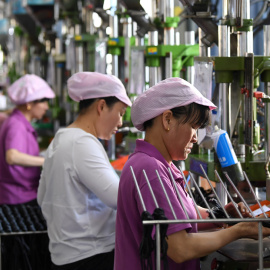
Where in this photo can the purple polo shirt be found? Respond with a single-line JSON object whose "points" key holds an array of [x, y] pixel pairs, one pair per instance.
{"points": [[18, 184], [129, 228]]}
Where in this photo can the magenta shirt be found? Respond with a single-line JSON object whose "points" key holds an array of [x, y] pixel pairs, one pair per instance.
{"points": [[129, 226], [18, 184]]}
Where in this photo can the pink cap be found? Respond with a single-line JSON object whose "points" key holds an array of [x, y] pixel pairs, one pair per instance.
{"points": [[167, 94], [88, 85], [29, 88]]}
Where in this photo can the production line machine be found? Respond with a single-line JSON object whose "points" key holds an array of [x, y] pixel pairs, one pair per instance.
{"points": [[150, 43], [239, 76], [145, 48]]}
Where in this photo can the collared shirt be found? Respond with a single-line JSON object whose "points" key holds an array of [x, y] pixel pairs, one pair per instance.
{"points": [[78, 195], [129, 228], [18, 184]]}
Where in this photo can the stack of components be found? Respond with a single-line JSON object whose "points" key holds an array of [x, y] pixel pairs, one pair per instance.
{"points": [[23, 238], [21, 218]]}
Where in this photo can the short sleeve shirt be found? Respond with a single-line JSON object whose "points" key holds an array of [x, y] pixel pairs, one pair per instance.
{"points": [[129, 228], [18, 184]]}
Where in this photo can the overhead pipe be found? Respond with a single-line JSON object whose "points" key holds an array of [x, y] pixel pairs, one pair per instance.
{"points": [[138, 15]]}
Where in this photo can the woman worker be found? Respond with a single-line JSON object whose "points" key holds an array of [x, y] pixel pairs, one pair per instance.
{"points": [[78, 186], [170, 114], [19, 151]]}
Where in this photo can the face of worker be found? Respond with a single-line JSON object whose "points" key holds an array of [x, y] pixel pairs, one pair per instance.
{"points": [[111, 120], [38, 109], [180, 139]]}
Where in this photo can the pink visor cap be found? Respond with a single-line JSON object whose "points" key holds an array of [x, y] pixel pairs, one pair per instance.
{"points": [[89, 85], [29, 88], [167, 94]]}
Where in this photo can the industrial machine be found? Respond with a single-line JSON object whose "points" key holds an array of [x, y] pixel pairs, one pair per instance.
{"points": [[241, 86], [208, 44], [131, 37], [66, 39]]}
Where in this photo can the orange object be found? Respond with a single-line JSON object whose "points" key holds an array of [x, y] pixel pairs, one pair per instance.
{"points": [[186, 173], [256, 206], [119, 163]]}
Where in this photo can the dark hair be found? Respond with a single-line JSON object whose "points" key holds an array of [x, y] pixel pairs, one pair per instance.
{"points": [[195, 114], [86, 103], [41, 100]]}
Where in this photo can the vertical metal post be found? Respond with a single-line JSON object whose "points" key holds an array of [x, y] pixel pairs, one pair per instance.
{"points": [[113, 20], [203, 50], [266, 43], [169, 32], [127, 33], [224, 102], [158, 250], [169, 36], [260, 243], [245, 39], [190, 40], [168, 65], [249, 82], [224, 88], [153, 38], [90, 28], [246, 9], [225, 8], [79, 50], [153, 71]]}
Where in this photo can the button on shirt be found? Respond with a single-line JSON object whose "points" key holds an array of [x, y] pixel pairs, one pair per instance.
{"points": [[129, 228], [18, 184]]}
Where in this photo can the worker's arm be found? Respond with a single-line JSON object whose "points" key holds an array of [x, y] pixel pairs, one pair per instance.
{"points": [[231, 211], [207, 226], [94, 170], [15, 157], [183, 246]]}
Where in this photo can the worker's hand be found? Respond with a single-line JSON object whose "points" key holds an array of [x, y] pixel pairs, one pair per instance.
{"points": [[230, 208], [251, 230]]}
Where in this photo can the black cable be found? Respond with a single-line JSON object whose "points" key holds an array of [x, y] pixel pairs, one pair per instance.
{"points": [[216, 209], [147, 244], [159, 215]]}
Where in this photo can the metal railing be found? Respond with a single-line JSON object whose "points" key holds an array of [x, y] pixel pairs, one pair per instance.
{"points": [[214, 219]]}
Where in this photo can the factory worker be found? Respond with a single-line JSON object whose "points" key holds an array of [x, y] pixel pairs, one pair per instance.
{"points": [[78, 186], [3, 117], [170, 114], [19, 150]]}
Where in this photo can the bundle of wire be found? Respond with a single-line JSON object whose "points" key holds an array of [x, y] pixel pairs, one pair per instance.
{"points": [[147, 244], [159, 215]]}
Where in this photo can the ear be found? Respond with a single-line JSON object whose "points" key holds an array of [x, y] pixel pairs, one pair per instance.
{"points": [[101, 105], [28, 106], [166, 119]]}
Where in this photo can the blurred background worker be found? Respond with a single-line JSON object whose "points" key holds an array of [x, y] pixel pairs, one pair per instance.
{"points": [[19, 150], [78, 186]]}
